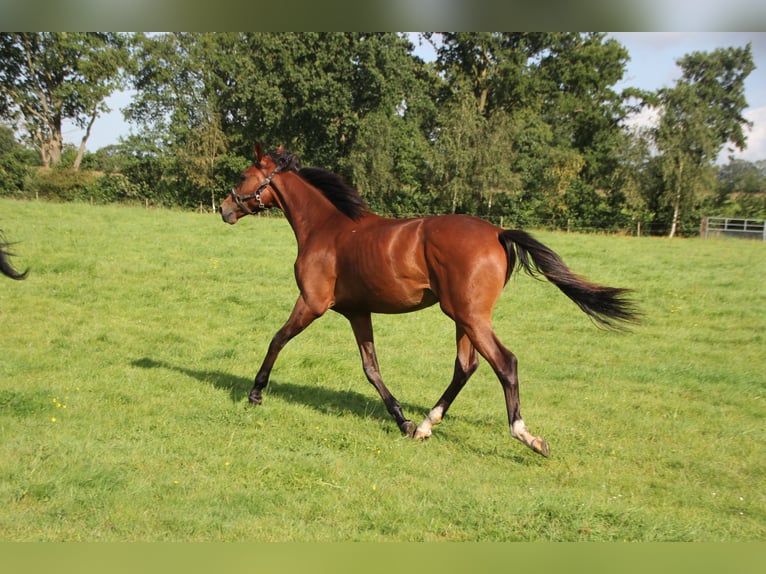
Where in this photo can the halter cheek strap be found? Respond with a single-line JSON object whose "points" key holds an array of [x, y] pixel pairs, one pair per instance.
{"points": [[241, 199]]}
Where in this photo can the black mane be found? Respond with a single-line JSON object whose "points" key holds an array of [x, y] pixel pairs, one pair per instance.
{"points": [[334, 187], [344, 197]]}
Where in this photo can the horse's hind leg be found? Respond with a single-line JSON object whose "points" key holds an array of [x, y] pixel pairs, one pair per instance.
{"points": [[505, 365], [362, 326], [466, 363]]}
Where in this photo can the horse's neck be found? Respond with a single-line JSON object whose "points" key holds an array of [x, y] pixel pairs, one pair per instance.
{"points": [[305, 207]]}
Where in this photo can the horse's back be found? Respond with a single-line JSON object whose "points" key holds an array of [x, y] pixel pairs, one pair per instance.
{"points": [[459, 228]]}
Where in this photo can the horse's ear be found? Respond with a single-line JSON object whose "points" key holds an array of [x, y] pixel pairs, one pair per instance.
{"points": [[258, 151]]}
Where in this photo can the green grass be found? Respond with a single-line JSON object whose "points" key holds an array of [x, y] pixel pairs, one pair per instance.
{"points": [[128, 353]]}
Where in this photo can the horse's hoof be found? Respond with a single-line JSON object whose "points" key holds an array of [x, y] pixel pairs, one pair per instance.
{"points": [[420, 435], [541, 447], [423, 431], [408, 428], [255, 398]]}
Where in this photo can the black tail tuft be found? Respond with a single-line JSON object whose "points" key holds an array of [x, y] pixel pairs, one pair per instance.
{"points": [[608, 306], [5, 266]]}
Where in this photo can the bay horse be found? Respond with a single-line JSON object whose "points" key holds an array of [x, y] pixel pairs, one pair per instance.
{"points": [[5, 265], [358, 263]]}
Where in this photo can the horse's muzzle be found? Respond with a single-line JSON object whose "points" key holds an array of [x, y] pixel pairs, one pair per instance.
{"points": [[229, 215]]}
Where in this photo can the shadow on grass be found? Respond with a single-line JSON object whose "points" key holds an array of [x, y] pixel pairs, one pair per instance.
{"points": [[333, 402], [323, 400], [238, 387]]}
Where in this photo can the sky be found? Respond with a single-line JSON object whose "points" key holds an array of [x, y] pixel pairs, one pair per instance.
{"points": [[651, 66]]}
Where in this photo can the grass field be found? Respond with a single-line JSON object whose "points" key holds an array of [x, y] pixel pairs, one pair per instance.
{"points": [[127, 355]]}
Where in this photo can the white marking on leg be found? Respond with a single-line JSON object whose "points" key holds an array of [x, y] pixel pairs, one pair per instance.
{"points": [[519, 429], [423, 430], [433, 418]]}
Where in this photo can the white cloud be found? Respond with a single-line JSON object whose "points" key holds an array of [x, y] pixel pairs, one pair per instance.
{"points": [[756, 137]]}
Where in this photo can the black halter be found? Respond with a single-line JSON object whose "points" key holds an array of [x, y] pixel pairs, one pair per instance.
{"points": [[241, 199]]}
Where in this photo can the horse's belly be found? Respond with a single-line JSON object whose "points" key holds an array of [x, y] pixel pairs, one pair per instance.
{"points": [[382, 299], [406, 303]]}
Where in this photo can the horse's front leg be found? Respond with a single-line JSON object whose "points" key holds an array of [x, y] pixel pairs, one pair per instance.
{"points": [[362, 326], [300, 318]]}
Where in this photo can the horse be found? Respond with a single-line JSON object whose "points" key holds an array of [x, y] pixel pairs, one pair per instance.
{"points": [[358, 263], [5, 266]]}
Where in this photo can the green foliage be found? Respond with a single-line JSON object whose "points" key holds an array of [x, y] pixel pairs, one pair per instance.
{"points": [[564, 78], [587, 209], [58, 184], [523, 128], [12, 175], [13, 164], [80, 186], [49, 77], [741, 191], [700, 114], [129, 350]]}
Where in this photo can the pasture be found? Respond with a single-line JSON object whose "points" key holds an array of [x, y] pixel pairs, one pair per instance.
{"points": [[127, 355]]}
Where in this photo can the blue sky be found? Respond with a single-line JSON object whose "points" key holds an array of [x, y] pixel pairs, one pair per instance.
{"points": [[652, 66]]}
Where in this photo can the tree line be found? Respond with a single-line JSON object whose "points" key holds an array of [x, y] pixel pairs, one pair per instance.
{"points": [[526, 128]]}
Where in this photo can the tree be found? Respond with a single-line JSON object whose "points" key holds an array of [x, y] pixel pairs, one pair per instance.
{"points": [[390, 155], [473, 157], [699, 116], [496, 67], [741, 190], [558, 84], [182, 83], [13, 163], [312, 91], [215, 94], [49, 77], [577, 73]]}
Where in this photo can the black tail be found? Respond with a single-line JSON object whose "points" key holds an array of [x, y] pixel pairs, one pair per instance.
{"points": [[606, 305], [5, 267]]}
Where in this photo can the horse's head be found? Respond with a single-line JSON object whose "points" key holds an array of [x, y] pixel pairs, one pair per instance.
{"points": [[254, 193]]}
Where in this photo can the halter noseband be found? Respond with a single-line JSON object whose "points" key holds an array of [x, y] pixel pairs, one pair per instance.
{"points": [[241, 199]]}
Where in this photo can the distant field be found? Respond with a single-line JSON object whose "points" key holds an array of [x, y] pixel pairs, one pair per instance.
{"points": [[127, 355]]}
